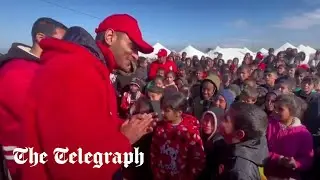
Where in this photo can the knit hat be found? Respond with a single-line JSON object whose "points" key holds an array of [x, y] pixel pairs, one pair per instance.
{"points": [[216, 113], [138, 82], [228, 96]]}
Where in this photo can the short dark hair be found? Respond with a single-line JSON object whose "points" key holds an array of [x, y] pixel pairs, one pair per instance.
{"points": [[290, 82], [47, 26], [249, 118], [244, 67], [142, 105], [309, 79], [251, 92], [177, 101]]}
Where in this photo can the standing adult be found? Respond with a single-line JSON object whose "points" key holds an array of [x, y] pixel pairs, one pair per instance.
{"points": [[163, 63], [17, 69], [73, 101]]}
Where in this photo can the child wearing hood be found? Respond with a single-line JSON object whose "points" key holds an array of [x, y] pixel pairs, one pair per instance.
{"points": [[289, 142], [208, 89], [224, 99], [213, 142]]}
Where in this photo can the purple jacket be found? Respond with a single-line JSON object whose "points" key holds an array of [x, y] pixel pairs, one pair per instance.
{"points": [[293, 141]]}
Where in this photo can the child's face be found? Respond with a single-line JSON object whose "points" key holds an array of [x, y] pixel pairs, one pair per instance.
{"points": [[270, 99], [249, 84], [307, 87], [281, 70], [291, 72], [253, 68], [199, 75], [226, 129], [159, 83], [134, 88], [220, 102], [169, 114], [182, 73], [229, 62], [282, 112], [144, 64], [283, 88], [161, 73], [244, 74], [208, 89], [154, 96], [207, 124], [270, 78], [247, 99], [170, 78], [300, 77]]}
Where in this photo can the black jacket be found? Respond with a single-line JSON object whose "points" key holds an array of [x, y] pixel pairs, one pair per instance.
{"points": [[243, 160], [15, 52]]}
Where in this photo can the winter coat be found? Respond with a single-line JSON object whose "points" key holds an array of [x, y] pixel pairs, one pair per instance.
{"points": [[177, 151], [293, 141], [244, 160], [72, 104], [17, 69]]}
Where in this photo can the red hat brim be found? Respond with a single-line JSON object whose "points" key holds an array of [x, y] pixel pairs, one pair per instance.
{"points": [[143, 46]]}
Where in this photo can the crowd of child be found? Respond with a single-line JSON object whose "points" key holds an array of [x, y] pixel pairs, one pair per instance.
{"points": [[225, 120]]}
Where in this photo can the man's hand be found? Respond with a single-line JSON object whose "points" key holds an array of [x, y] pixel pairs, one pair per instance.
{"points": [[138, 126]]}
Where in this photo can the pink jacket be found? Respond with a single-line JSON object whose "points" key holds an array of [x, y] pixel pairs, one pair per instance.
{"points": [[293, 141]]}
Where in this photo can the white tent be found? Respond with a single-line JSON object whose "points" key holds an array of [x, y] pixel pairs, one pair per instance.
{"points": [[191, 51], [264, 51], [246, 50], [228, 53], [156, 48], [284, 47]]}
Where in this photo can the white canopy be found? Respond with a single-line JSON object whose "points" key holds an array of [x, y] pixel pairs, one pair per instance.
{"points": [[191, 51], [284, 47], [156, 48], [229, 53], [264, 51]]}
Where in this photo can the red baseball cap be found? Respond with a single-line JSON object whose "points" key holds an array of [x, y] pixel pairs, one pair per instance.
{"points": [[162, 53], [126, 24]]}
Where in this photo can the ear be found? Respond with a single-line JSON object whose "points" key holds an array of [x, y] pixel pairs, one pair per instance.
{"points": [[39, 37], [110, 37], [240, 134]]}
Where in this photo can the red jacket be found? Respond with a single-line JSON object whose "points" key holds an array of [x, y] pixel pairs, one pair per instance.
{"points": [[15, 79], [177, 151], [167, 66], [73, 104]]}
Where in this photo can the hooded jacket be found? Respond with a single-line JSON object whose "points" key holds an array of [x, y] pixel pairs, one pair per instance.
{"points": [[292, 141], [72, 104], [199, 105], [243, 160], [214, 145], [17, 69]]}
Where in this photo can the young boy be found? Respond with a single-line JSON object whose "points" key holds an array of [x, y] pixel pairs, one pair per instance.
{"points": [[208, 89], [244, 129], [243, 74], [307, 91], [155, 95], [141, 71], [249, 95], [270, 77], [195, 88], [285, 85]]}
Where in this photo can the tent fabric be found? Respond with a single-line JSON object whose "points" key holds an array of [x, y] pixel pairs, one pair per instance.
{"points": [[284, 47], [191, 51]]}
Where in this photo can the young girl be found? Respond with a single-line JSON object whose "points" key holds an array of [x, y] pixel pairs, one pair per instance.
{"points": [[214, 145], [269, 102], [289, 142], [176, 150], [170, 85]]}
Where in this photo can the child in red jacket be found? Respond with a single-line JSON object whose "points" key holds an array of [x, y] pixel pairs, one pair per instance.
{"points": [[176, 151], [129, 98]]}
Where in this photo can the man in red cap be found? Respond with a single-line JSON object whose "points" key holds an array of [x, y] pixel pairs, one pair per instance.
{"points": [[163, 63], [73, 103]]}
